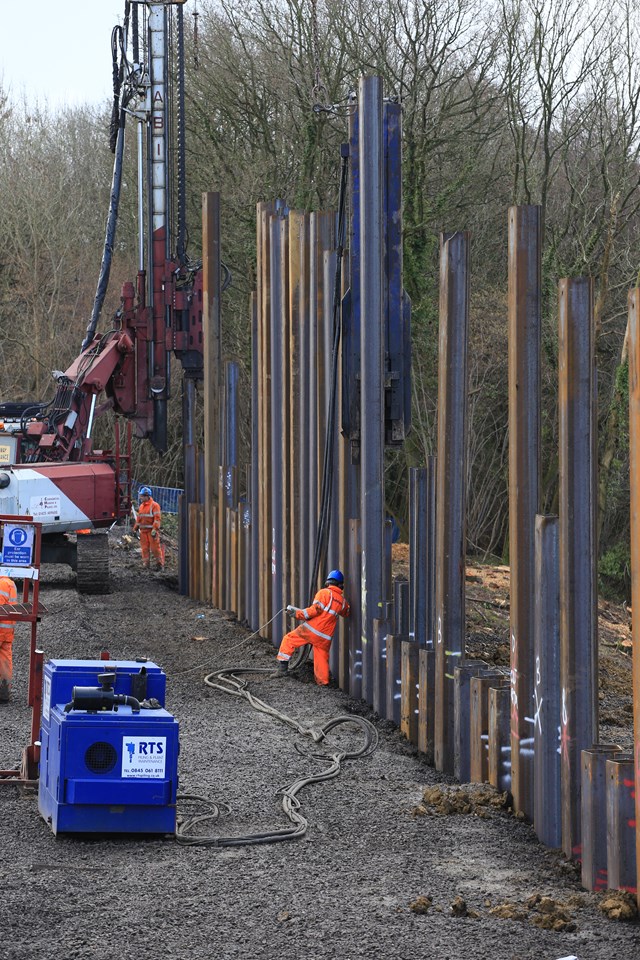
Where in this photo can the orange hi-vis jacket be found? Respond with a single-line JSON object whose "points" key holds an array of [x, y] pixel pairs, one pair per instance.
{"points": [[149, 516], [328, 604], [8, 594]]}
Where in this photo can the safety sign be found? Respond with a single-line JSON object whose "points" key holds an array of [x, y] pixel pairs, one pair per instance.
{"points": [[17, 545], [144, 757]]}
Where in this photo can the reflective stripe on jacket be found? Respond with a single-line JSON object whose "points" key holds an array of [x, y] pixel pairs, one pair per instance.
{"points": [[8, 594], [328, 604], [149, 516]]}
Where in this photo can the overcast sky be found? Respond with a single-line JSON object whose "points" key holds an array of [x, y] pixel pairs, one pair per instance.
{"points": [[58, 51]]}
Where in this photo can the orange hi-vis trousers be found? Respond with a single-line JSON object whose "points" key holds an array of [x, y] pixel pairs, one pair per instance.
{"points": [[151, 545], [8, 594], [300, 637], [319, 624]]}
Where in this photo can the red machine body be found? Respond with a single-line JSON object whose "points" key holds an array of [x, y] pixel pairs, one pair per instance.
{"points": [[48, 467]]}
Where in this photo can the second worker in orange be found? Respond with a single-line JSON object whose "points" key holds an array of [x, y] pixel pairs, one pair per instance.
{"points": [[319, 622]]}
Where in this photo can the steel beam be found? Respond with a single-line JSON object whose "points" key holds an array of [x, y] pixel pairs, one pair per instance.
{"points": [[634, 447], [409, 691], [547, 802], [322, 239], [298, 422], [500, 737], [211, 344], [264, 213], [422, 549], [578, 546], [479, 687], [594, 815], [525, 226], [462, 713], [278, 299], [621, 823], [306, 426], [381, 632], [451, 486], [426, 698], [353, 577], [254, 602], [348, 508], [372, 361], [394, 679], [401, 609]]}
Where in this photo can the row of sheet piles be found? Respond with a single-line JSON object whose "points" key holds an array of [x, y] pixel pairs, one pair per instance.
{"points": [[533, 731]]}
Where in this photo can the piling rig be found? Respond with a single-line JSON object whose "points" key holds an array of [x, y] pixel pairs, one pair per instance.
{"points": [[49, 469]]}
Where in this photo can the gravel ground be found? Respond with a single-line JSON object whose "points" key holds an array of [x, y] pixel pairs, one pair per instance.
{"points": [[344, 891]]}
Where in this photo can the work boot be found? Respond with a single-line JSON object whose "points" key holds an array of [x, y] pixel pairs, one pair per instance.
{"points": [[5, 691], [282, 669]]}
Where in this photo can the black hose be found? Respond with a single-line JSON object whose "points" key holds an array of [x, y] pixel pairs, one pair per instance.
{"points": [[228, 681], [324, 520], [135, 35], [116, 184]]}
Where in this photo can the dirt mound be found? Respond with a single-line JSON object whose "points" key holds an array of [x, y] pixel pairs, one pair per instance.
{"points": [[543, 912], [619, 905], [471, 798], [421, 905]]}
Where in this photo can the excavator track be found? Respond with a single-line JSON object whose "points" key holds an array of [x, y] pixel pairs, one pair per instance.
{"points": [[93, 563]]}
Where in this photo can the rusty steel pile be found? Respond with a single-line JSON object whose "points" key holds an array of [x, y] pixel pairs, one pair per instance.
{"points": [[534, 731]]}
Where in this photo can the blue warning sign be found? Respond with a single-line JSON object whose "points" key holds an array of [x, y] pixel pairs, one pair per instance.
{"points": [[17, 545]]}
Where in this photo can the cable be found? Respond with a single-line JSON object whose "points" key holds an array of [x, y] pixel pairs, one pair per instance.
{"points": [[118, 127], [324, 520], [234, 647], [228, 681]]}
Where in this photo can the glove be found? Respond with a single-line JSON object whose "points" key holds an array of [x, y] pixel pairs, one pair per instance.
{"points": [[291, 610], [154, 534]]}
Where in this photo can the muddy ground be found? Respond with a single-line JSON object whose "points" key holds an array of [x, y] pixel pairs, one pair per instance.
{"points": [[384, 871]]}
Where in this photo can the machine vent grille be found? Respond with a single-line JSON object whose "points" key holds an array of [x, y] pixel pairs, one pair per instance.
{"points": [[101, 757]]}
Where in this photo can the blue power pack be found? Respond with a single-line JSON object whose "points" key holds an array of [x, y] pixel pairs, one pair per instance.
{"points": [[109, 760]]}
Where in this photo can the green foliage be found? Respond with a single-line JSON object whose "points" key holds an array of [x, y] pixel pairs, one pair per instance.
{"points": [[500, 104], [614, 570]]}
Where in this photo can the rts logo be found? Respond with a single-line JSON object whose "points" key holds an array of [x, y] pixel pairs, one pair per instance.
{"points": [[145, 748], [142, 757]]}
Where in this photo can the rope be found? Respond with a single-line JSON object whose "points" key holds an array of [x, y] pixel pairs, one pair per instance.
{"points": [[229, 682], [201, 666]]}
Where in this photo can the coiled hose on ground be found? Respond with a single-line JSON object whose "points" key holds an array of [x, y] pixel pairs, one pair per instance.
{"points": [[229, 681]]}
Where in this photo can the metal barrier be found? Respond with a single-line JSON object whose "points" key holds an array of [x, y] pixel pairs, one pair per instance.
{"points": [[168, 498]]}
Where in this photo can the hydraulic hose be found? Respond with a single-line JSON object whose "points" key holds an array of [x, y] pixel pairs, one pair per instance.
{"points": [[112, 220], [324, 520], [229, 681]]}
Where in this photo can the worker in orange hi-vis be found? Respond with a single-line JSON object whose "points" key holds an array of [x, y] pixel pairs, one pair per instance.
{"points": [[318, 625], [148, 523], [8, 594]]}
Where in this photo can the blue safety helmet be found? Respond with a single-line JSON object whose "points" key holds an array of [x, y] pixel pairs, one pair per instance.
{"points": [[337, 577], [144, 492]]}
